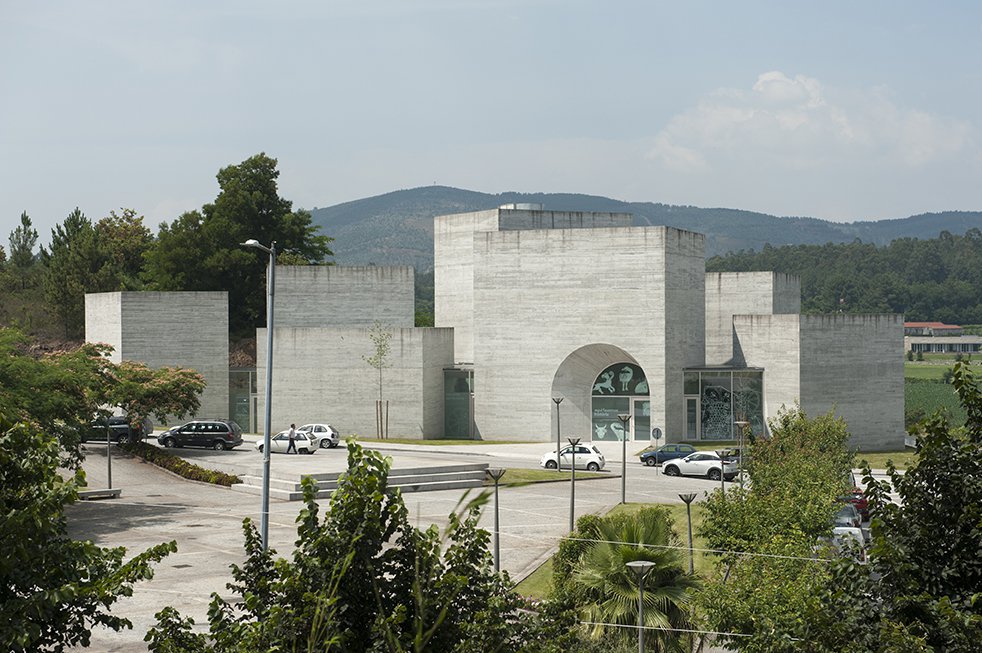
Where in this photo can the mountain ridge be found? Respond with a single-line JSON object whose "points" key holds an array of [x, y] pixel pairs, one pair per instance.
{"points": [[396, 228]]}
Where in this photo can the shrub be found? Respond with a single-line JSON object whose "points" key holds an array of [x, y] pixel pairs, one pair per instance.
{"points": [[178, 465], [910, 354], [920, 355]]}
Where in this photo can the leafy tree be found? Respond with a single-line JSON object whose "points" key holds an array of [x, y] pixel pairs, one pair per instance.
{"points": [[126, 240], [381, 337], [597, 580], [53, 589], [771, 591], [248, 206], [362, 578], [62, 393]]}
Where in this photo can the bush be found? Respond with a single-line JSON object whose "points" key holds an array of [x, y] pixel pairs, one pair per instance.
{"points": [[178, 465], [920, 355]]}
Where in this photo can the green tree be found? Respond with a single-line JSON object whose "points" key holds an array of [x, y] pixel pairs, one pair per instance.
{"points": [[125, 240], [362, 578], [248, 206], [381, 337], [23, 239], [598, 581]]}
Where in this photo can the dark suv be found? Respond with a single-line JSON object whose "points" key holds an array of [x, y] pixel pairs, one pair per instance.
{"points": [[217, 434], [120, 430]]}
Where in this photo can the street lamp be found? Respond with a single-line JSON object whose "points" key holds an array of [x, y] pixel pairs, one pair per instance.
{"points": [[722, 464], [625, 420], [573, 442], [742, 424], [496, 473], [559, 462], [270, 288], [640, 569], [689, 498]]}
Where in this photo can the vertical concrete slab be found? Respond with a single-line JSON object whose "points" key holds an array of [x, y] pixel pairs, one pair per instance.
{"points": [[344, 296]]}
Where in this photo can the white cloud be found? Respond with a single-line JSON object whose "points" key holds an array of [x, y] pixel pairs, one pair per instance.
{"points": [[796, 122]]}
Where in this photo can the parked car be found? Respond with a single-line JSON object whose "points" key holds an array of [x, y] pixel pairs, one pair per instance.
{"points": [[701, 463], [588, 457], [847, 515], [857, 499], [121, 430], [217, 434], [666, 452], [327, 436], [848, 539], [279, 443]]}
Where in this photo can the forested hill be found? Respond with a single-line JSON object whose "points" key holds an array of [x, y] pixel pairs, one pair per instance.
{"points": [[397, 228], [936, 279]]}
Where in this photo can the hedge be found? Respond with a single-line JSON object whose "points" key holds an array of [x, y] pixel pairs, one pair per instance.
{"points": [[178, 465]]}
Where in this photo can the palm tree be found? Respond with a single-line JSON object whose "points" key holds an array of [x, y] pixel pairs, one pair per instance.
{"points": [[611, 589]]}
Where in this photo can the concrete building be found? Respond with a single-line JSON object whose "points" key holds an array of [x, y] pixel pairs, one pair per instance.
{"points": [[175, 329]]}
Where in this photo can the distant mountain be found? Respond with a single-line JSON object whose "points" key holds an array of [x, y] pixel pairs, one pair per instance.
{"points": [[397, 228]]}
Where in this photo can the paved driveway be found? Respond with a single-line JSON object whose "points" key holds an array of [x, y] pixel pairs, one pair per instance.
{"points": [[206, 520]]}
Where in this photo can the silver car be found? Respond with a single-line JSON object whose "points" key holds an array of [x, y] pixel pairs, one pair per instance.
{"points": [[324, 435], [701, 463]]}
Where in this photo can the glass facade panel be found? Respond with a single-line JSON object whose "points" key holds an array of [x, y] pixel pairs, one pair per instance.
{"points": [[691, 383], [240, 390], [716, 400], [692, 418], [642, 419], [612, 392], [748, 399], [606, 424], [458, 386]]}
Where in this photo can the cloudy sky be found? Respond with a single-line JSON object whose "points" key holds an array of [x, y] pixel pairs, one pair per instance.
{"points": [[840, 110]]}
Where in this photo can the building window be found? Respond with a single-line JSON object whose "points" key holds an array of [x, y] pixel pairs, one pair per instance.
{"points": [[614, 392]]}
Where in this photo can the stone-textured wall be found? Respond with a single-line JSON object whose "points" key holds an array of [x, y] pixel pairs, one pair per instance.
{"points": [[175, 329], [851, 364], [544, 297], [344, 296], [743, 293], [320, 375]]}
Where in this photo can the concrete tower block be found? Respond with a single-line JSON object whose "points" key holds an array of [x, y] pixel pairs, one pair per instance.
{"points": [[344, 296], [175, 329], [743, 293]]}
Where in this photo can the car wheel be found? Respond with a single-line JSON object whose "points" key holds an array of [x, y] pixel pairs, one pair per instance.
{"points": [[168, 443], [218, 445], [713, 474], [650, 462], [593, 467], [671, 470], [334, 444], [260, 448], [325, 443], [304, 451], [124, 439], [550, 464]]}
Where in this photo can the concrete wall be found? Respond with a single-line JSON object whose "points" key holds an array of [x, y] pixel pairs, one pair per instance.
{"points": [[344, 296], [453, 248], [853, 364], [320, 375], [552, 307], [847, 363], [175, 329], [743, 293]]}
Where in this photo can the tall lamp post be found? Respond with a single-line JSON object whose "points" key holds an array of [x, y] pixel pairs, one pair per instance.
{"points": [[496, 473], [572, 480], [640, 569], [559, 433], [625, 421], [742, 424], [722, 464], [270, 286], [689, 498]]}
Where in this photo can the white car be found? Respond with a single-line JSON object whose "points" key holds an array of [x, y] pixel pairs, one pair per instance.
{"points": [[588, 457], [281, 441], [701, 463], [327, 436]]}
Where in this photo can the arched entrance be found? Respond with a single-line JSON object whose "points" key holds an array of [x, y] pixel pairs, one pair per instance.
{"points": [[585, 408]]}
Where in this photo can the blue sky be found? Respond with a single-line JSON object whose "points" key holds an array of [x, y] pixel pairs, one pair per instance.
{"points": [[838, 110]]}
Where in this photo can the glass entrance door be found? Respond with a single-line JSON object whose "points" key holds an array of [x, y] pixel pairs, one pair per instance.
{"points": [[692, 418], [641, 419]]}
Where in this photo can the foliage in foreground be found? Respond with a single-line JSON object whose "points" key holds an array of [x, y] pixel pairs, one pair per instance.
{"points": [[53, 589], [590, 573], [178, 465], [362, 578]]}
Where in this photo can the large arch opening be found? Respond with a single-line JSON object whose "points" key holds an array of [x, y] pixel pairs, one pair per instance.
{"points": [[598, 382]]}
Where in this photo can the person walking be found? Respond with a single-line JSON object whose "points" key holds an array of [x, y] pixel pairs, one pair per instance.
{"points": [[293, 439]]}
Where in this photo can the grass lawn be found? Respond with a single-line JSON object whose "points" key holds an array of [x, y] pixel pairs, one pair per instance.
{"points": [[924, 370], [879, 460], [518, 476], [539, 583]]}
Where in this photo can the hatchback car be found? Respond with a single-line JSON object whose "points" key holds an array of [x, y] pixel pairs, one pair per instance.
{"points": [[588, 457], [701, 463], [326, 436], [217, 434], [121, 430], [666, 452], [279, 443]]}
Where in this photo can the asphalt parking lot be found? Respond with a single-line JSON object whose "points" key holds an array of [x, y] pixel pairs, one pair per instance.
{"points": [[206, 520]]}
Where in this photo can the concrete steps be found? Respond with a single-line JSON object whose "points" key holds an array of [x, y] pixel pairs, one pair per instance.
{"points": [[418, 479]]}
